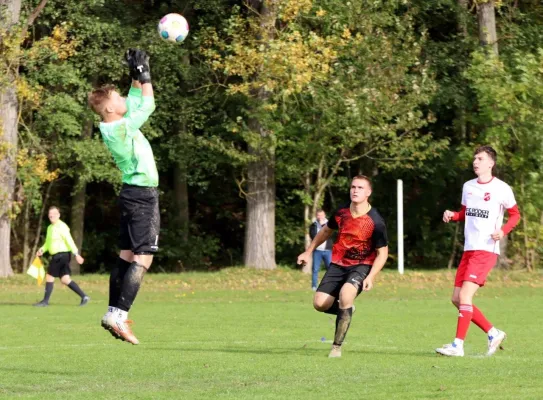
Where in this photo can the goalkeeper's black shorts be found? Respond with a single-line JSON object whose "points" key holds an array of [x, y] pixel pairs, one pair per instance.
{"points": [[140, 219]]}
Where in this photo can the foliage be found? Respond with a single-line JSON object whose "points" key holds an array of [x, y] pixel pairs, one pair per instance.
{"points": [[391, 89], [510, 100], [32, 172]]}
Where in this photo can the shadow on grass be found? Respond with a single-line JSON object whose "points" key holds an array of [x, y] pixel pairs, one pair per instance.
{"points": [[40, 371], [32, 304], [305, 351]]}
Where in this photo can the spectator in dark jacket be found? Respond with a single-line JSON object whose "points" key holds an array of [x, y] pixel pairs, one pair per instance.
{"points": [[324, 251]]}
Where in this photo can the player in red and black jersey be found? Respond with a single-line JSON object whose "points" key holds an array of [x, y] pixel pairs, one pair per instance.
{"points": [[360, 252]]}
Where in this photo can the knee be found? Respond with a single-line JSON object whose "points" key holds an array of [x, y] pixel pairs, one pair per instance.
{"points": [[346, 303], [455, 301], [320, 305], [65, 280]]}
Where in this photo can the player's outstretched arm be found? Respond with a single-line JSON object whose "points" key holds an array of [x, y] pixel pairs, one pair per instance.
{"points": [[140, 101], [378, 264], [323, 235]]}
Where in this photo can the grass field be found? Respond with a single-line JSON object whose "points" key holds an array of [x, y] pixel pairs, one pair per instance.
{"points": [[244, 334]]}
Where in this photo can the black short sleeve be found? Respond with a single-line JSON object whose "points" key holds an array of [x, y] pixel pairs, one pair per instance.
{"points": [[379, 236], [332, 222]]}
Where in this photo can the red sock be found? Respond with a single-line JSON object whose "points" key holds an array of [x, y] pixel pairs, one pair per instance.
{"points": [[480, 320], [464, 319]]}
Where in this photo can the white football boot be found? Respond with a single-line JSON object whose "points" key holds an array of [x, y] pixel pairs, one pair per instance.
{"points": [[451, 350], [494, 342]]}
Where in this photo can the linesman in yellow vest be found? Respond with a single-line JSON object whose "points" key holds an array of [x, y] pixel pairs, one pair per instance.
{"points": [[60, 245]]}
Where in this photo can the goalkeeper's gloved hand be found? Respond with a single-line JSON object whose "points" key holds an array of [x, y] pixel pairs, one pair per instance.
{"points": [[129, 61], [138, 63]]}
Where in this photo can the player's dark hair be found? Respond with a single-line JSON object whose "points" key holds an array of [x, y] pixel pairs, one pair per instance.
{"points": [[98, 96], [54, 208], [363, 177], [488, 150]]}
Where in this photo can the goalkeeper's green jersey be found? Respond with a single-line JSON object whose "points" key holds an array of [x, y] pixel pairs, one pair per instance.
{"points": [[59, 239], [130, 149]]}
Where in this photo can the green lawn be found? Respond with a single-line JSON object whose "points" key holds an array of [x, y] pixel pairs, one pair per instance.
{"points": [[243, 334]]}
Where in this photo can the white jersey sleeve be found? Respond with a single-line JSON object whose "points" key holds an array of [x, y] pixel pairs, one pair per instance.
{"points": [[464, 195], [508, 197]]}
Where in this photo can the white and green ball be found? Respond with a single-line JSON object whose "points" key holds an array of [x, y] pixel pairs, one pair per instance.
{"points": [[173, 28]]}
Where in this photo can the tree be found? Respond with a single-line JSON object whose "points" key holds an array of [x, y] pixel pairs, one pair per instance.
{"points": [[486, 14], [9, 17], [265, 65], [510, 99], [259, 248], [10, 39], [369, 114]]}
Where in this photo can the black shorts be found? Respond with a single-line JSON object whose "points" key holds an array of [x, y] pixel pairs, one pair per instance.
{"points": [[336, 277], [140, 219], [60, 265]]}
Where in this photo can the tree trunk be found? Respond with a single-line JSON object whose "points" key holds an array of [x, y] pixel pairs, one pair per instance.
{"points": [[40, 220], [180, 187], [502, 260], [77, 221], [79, 202], [455, 246], [524, 220], [462, 24], [9, 15], [307, 268], [527, 255], [26, 234], [535, 259], [486, 15], [259, 249], [181, 199], [462, 27]]}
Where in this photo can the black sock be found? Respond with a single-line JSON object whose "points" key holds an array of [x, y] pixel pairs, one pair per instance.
{"points": [[116, 281], [48, 291], [130, 286], [343, 321], [334, 308], [75, 287]]}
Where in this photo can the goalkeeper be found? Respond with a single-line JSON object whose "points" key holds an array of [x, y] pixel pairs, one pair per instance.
{"points": [[140, 219]]}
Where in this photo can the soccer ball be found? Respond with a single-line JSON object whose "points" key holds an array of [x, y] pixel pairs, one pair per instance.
{"points": [[173, 28]]}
